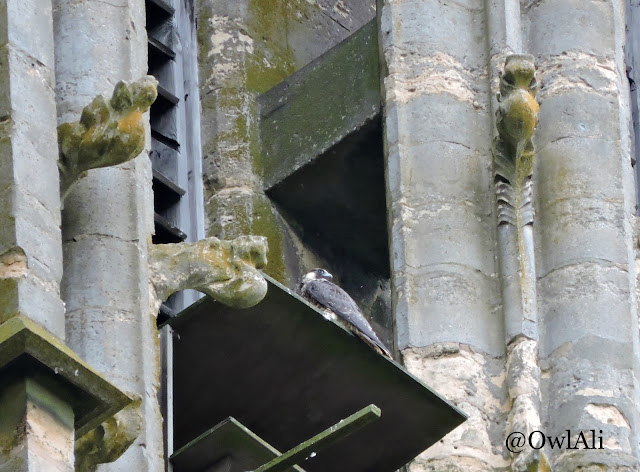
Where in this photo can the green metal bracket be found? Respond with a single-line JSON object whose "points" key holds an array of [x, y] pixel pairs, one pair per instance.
{"points": [[329, 436]]}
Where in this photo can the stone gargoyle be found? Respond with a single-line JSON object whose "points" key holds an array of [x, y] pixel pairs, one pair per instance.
{"points": [[225, 270], [108, 133]]}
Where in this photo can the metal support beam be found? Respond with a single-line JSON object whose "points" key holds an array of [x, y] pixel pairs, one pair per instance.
{"points": [[329, 436]]}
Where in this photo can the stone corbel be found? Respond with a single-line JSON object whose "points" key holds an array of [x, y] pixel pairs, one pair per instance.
{"points": [[28, 350], [110, 440], [224, 270], [108, 133]]}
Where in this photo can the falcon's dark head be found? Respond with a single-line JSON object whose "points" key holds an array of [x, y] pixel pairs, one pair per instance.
{"points": [[316, 274]]}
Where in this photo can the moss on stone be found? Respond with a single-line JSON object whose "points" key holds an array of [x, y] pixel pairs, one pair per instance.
{"points": [[8, 298], [252, 214], [108, 132], [94, 397], [323, 102], [266, 223], [12, 411]]}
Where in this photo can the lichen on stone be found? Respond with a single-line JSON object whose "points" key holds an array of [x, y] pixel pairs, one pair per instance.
{"points": [[108, 132], [517, 115], [13, 263], [110, 440]]}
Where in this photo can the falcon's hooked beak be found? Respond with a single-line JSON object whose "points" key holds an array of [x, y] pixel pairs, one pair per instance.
{"points": [[324, 274]]}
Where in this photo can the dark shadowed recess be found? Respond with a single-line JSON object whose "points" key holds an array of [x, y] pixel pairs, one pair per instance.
{"points": [[336, 202]]}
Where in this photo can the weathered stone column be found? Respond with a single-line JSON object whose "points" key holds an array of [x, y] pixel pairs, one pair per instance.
{"points": [[36, 426], [585, 204], [445, 287], [246, 47], [108, 220], [47, 395], [30, 242], [232, 74]]}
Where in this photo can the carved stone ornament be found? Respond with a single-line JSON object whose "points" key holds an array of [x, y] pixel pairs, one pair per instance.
{"points": [[110, 440], [225, 270], [516, 120], [108, 133]]}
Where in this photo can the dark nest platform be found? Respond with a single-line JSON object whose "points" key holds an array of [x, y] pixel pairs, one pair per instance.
{"points": [[284, 374]]}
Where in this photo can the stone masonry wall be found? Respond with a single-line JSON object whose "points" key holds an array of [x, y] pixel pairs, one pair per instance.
{"points": [[586, 201], [245, 48], [443, 61]]}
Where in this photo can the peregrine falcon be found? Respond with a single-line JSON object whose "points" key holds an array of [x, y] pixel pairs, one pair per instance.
{"points": [[339, 306]]}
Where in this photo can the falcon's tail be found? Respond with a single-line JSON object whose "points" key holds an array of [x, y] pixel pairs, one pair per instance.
{"points": [[375, 343]]}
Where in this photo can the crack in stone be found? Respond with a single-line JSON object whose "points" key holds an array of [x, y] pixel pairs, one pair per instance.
{"points": [[333, 19], [589, 261]]}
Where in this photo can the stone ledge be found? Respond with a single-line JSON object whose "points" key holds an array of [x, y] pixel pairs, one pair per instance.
{"points": [[315, 108], [27, 348]]}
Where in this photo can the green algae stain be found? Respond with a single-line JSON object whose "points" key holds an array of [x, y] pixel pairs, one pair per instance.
{"points": [[265, 223], [269, 23]]}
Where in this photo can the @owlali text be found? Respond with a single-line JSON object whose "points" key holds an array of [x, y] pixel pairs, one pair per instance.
{"points": [[517, 442]]}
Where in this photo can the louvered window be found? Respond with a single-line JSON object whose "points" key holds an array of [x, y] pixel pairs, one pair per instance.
{"points": [[175, 140]]}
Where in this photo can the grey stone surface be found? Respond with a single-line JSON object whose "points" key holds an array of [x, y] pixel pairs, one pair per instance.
{"points": [[28, 29], [591, 28], [576, 113], [105, 51], [571, 309], [579, 168], [592, 387], [423, 29], [40, 412], [448, 235], [572, 232], [31, 205], [447, 303], [101, 288], [439, 175], [119, 197]]}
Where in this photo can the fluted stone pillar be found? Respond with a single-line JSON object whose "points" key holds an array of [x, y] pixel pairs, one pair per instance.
{"points": [[555, 348], [438, 132], [36, 425], [585, 202]]}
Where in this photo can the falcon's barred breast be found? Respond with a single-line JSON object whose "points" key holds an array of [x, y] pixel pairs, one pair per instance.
{"points": [[317, 288]]}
